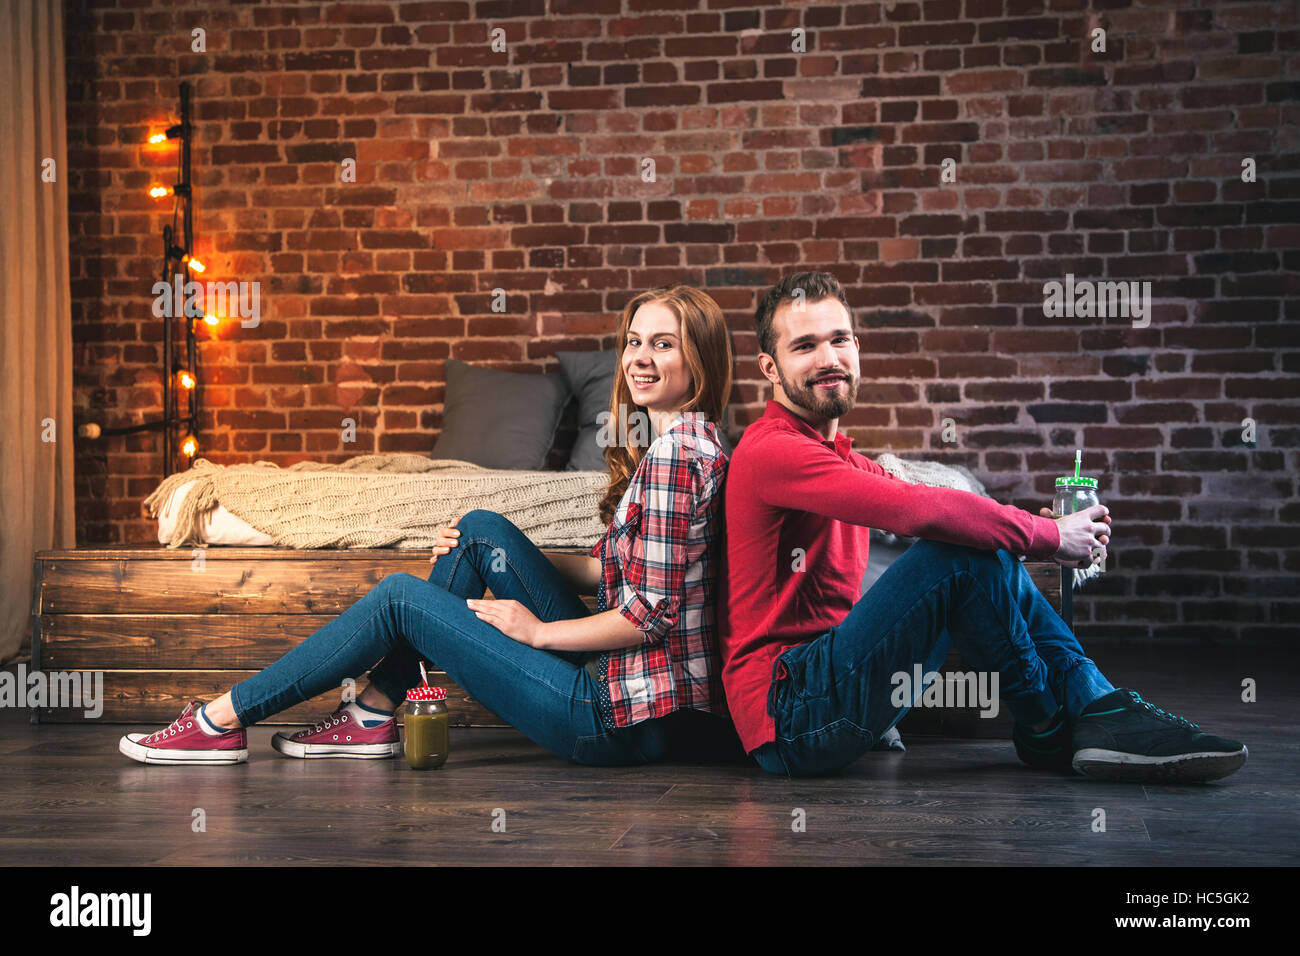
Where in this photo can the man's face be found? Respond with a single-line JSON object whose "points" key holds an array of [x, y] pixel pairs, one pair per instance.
{"points": [[816, 362]]}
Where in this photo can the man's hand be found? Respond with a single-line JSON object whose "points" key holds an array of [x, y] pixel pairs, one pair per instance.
{"points": [[1084, 535], [510, 618]]}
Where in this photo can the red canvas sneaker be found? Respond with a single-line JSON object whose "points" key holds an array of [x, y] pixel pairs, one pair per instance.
{"points": [[339, 735], [184, 742]]}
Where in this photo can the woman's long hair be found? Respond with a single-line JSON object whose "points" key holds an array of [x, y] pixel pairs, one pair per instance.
{"points": [[707, 350]]}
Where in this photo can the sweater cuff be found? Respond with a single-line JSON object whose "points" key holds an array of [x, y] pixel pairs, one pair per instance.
{"points": [[1046, 539]]}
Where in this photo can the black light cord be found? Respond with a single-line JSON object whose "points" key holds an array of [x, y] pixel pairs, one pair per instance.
{"points": [[142, 427]]}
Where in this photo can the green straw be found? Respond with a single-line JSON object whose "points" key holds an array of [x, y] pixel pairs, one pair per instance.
{"points": [[1078, 461]]}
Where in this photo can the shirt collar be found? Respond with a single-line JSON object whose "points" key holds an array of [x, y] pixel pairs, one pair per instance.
{"points": [[687, 418], [841, 444]]}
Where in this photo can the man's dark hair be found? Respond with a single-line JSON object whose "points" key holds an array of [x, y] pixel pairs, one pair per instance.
{"points": [[815, 285]]}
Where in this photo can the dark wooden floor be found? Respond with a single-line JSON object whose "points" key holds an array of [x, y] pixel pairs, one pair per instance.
{"points": [[68, 798]]}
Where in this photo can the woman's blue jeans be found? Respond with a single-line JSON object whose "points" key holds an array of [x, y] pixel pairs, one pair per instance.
{"points": [[550, 697], [835, 702]]}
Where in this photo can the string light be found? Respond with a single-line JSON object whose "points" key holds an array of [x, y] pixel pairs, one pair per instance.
{"points": [[184, 380], [175, 131]]}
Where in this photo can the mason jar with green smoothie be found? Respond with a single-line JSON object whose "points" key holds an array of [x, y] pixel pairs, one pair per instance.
{"points": [[427, 723]]}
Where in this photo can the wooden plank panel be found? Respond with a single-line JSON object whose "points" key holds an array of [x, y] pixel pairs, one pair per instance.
{"points": [[1047, 576], [136, 550], [268, 586], [234, 581], [175, 641], [156, 697], [172, 641]]}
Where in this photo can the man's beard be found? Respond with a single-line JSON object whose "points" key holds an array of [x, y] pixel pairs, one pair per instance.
{"points": [[823, 405]]}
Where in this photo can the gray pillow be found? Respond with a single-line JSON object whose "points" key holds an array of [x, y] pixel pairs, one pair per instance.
{"points": [[591, 378], [499, 419]]}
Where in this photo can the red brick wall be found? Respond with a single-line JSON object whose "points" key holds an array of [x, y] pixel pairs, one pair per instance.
{"points": [[520, 170]]}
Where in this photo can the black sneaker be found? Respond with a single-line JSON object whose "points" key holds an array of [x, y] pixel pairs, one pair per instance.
{"points": [[1123, 737], [1047, 749]]}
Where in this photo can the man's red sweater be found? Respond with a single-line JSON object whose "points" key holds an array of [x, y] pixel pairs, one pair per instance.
{"points": [[798, 516]]}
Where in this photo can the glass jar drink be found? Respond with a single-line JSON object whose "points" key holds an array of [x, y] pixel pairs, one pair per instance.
{"points": [[1076, 493], [427, 723]]}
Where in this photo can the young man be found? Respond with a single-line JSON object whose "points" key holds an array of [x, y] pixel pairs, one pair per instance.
{"points": [[808, 666]]}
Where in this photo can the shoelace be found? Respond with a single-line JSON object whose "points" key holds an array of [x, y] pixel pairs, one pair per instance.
{"points": [[172, 729], [333, 720], [1164, 714]]}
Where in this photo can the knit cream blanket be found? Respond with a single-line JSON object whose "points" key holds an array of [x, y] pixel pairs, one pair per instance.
{"points": [[380, 501]]}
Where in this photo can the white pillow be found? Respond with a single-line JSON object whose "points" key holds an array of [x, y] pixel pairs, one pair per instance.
{"points": [[218, 526]]}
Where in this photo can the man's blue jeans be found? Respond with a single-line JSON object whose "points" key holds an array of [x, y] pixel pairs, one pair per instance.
{"points": [[835, 702], [548, 696]]}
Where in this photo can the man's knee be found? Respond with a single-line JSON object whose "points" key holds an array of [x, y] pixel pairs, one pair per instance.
{"points": [[1009, 561], [954, 553], [979, 563]]}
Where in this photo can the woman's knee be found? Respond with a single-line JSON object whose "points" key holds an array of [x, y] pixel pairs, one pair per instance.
{"points": [[395, 584], [482, 523], [489, 541]]}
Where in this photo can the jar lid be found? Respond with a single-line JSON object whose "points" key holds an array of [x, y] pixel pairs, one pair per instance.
{"points": [[1077, 482], [427, 693]]}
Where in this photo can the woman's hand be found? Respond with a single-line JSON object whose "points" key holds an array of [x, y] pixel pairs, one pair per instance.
{"points": [[1081, 533], [510, 618], [447, 539]]}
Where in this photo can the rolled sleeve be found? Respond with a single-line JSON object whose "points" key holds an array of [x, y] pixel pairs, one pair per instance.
{"points": [[646, 618], [655, 571]]}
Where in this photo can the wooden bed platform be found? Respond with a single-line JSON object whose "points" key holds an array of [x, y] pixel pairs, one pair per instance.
{"points": [[166, 625]]}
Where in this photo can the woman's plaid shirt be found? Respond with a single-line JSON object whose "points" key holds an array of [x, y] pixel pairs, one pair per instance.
{"points": [[660, 570]]}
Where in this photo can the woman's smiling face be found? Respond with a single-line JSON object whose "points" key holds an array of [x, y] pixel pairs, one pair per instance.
{"points": [[653, 362]]}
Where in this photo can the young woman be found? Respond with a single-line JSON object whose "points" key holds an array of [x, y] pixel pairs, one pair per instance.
{"points": [[638, 681]]}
